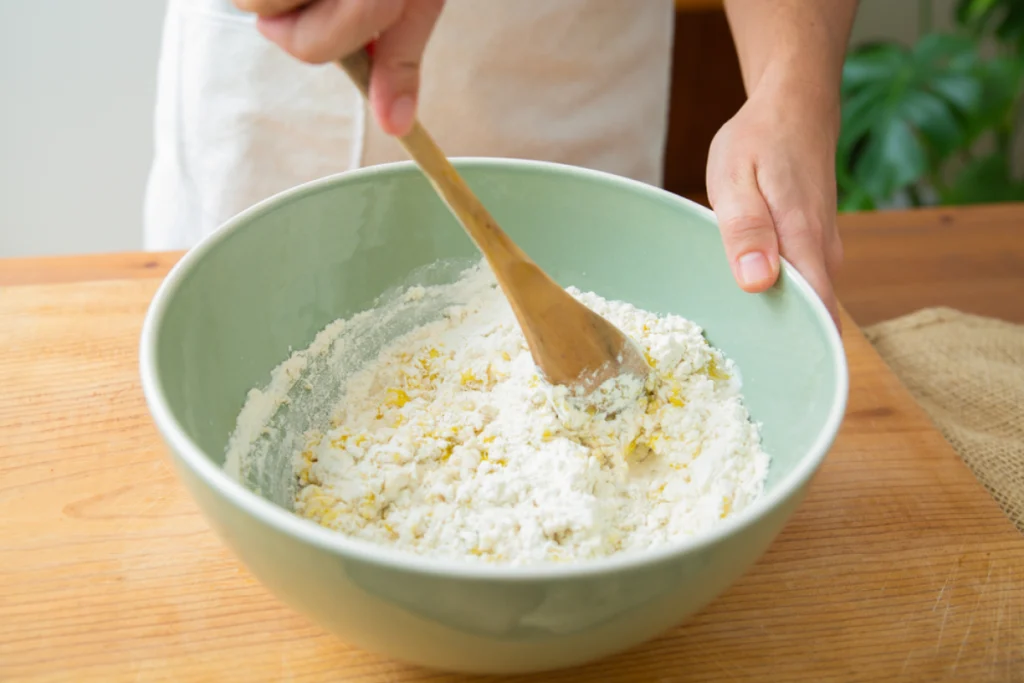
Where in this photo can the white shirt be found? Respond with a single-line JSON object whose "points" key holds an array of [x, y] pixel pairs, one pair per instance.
{"points": [[582, 82]]}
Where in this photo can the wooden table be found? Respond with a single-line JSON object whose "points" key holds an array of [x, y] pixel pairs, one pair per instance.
{"points": [[898, 566], [969, 259]]}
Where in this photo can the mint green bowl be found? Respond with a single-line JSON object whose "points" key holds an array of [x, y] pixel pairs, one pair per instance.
{"points": [[275, 275]]}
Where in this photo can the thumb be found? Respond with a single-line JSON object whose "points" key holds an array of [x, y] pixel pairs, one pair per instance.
{"points": [[748, 231], [398, 53]]}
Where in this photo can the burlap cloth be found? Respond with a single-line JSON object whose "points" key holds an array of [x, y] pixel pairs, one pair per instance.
{"points": [[967, 372]]}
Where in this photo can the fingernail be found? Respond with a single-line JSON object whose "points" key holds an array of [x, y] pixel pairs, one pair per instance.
{"points": [[402, 112], [754, 269]]}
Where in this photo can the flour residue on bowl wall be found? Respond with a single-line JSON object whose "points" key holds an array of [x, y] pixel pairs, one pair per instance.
{"points": [[424, 425]]}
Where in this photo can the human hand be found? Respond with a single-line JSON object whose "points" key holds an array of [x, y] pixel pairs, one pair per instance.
{"points": [[321, 31], [771, 182]]}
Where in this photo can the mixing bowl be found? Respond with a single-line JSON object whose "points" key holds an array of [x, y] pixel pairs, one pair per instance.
{"points": [[275, 275]]}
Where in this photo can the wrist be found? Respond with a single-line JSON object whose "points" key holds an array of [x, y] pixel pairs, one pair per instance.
{"points": [[805, 92]]}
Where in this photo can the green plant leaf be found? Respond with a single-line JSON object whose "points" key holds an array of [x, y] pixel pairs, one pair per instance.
{"points": [[934, 50], [1001, 80], [860, 112], [1002, 19], [873, 63], [856, 200], [934, 119], [970, 12], [1011, 29], [962, 90], [893, 158], [984, 180], [907, 110]]}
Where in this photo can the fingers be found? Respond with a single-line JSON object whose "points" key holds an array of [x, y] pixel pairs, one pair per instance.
{"points": [[325, 30], [833, 254], [748, 231], [804, 244], [395, 81], [755, 236]]}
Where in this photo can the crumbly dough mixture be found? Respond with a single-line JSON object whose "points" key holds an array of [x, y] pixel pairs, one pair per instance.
{"points": [[450, 444]]}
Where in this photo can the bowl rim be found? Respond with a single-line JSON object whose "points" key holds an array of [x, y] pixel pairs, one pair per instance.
{"points": [[307, 531]]}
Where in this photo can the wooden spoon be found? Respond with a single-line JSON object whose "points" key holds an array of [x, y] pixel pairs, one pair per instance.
{"points": [[571, 344]]}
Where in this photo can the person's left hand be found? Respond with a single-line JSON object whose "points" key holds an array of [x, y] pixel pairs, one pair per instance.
{"points": [[771, 183]]}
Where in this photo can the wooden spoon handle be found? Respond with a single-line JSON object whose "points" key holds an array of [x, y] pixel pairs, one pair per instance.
{"points": [[570, 343], [478, 222]]}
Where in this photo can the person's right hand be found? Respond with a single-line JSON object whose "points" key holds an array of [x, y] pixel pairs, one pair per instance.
{"points": [[325, 30]]}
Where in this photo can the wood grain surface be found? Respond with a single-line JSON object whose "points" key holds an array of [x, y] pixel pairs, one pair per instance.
{"points": [[86, 268], [897, 262], [898, 566]]}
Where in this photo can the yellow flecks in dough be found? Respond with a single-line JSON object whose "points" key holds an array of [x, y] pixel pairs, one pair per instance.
{"points": [[314, 501], [368, 506], [447, 452], [330, 516], [397, 398], [715, 372], [447, 394], [305, 473]]}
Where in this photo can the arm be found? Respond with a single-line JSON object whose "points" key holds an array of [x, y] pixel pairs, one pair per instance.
{"points": [[795, 41], [771, 169]]}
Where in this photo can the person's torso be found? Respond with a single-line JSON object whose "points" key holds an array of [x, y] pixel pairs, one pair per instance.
{"points": [[583, 82]]}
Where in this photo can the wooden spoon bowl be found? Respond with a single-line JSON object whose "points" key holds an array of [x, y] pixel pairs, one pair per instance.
{"points": [[572, 345]]}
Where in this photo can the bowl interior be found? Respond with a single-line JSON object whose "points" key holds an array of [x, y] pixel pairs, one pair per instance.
{"points": [[282, 271]]}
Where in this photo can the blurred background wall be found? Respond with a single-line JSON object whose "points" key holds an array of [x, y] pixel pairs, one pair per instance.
{"points": [[77, 83]]}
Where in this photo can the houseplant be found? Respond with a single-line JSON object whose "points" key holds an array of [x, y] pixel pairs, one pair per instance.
{"points": [[934, 122]]}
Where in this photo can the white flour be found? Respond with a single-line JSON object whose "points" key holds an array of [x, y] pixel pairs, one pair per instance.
{"points": [[449, 444]]}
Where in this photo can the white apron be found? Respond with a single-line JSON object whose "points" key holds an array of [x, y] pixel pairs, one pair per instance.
{"points": [[237, 120]]}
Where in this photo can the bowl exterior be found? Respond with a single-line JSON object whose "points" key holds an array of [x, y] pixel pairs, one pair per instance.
{"points": [[219, 325], [482, 626]]}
